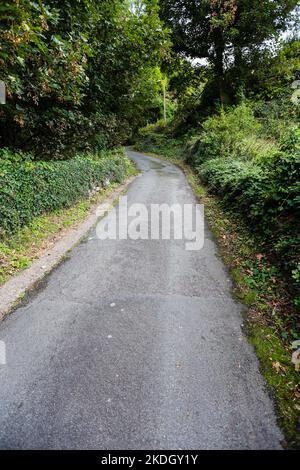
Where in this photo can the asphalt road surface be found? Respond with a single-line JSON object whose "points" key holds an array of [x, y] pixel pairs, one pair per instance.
{"points": [[134, 345]]}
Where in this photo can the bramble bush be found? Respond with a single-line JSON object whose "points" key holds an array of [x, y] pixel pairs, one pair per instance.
{"points": [[29, 189]]}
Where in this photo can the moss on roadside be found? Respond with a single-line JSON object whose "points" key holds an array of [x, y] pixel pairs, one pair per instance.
{"points": [[281, 377]]}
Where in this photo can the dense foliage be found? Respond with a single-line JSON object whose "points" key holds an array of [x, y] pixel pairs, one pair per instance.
{"points": [[29, 189], [76, 68], [266, 190]]}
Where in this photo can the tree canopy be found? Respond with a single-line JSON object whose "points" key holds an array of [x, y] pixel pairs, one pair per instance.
{"points": [[228, 33], [76, 67]]}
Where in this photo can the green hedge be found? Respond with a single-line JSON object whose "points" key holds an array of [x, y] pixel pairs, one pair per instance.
{"points": [[28, 189], [268, 197], [261, 194], [264, 191]]}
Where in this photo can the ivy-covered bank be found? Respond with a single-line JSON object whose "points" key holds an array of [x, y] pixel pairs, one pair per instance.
{"points": [[40, 202], [29, 188]]}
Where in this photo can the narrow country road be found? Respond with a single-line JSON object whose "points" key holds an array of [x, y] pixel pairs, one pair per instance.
{"points": [[134, 345]]}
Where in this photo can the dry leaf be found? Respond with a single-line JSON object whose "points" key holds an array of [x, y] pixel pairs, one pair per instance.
{"points": [[278, 367]]}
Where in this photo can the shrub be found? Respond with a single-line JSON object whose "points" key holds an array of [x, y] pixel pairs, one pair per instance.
{"points": [[232, 134], [99, 142], [265, 190], [28, 189], [267, 193], [6, 155]]}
